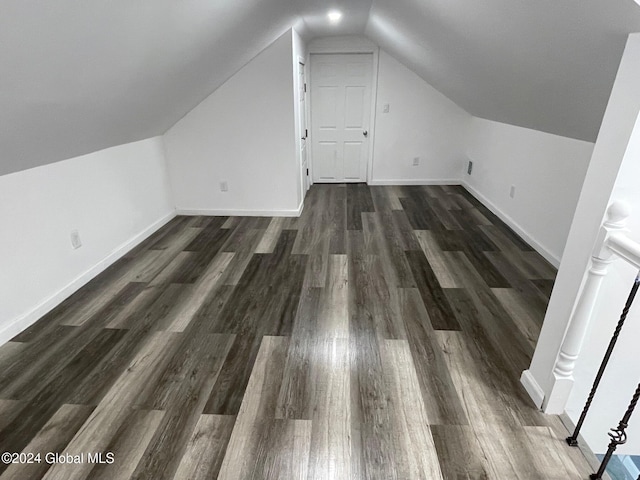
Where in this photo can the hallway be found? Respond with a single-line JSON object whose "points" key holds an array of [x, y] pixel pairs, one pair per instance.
{"points": [[380, 335]]}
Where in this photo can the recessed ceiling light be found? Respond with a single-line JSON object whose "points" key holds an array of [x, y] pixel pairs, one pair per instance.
{"points": [[334, 16]]}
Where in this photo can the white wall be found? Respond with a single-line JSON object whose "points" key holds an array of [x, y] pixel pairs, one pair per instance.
{"points": [[421, 122], [612, 175], [114, 198], [341, 44], [546, 170], [244, 134], [623, 373]]}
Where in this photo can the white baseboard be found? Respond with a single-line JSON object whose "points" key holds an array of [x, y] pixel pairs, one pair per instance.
{"points": [[533, 389], [21, 323], [408, 182], [240, 213], [541, 249]]}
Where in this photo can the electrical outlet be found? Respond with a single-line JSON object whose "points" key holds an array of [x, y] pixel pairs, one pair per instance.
{"points": [[469, 167], [512, 191], [76, 243], [416, 161], [224, 186], [385, 108]]}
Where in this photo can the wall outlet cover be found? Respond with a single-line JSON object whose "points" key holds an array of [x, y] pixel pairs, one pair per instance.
{"points": [[75, 239], [224, 186], [469, 167], [512, 191], [416, 161]]}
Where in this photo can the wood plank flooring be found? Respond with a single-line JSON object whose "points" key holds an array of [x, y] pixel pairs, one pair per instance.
{"points": [[380, 335]]}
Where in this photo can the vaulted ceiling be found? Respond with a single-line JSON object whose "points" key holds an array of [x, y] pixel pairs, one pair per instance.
{"points": [[79, 76]]}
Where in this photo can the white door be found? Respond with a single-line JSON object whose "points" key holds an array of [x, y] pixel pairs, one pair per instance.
{"points": [[302, 112], [340, 116]]}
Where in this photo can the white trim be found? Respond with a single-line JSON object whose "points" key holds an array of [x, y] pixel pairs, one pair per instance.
{"points": [[446, 181], [533, 389], [303, 187], [374, 111], [341, 44], [21, 323], [542, 250], [240, 213], [307, 110]]}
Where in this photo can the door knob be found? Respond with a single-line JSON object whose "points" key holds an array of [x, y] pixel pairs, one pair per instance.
{"points": [[365, 133]]}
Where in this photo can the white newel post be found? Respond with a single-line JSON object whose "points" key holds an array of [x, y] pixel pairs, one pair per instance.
{"points": [[562, 381]]}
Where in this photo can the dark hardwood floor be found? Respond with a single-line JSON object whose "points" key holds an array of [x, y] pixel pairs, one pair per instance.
{"points": [[381, 335]]}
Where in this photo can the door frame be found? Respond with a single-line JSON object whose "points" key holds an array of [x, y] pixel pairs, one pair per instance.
{"points": [[305, 69], [374, 50]]}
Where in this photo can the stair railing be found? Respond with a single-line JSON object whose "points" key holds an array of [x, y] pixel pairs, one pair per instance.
{"points": [[612, 243]]}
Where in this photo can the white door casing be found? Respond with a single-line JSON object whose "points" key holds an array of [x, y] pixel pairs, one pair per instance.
{"points": [[302, 86], [340, 116]]}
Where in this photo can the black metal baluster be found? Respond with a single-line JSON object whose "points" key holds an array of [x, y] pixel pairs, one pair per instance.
{"points": [[618, 435], [573, 439]]}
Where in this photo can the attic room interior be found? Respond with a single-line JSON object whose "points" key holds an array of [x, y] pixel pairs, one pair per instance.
{"points": [[288, 239]]}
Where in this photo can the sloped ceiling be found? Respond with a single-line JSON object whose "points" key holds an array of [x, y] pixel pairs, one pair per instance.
{"points": [[79, 76], [542, 64]]}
